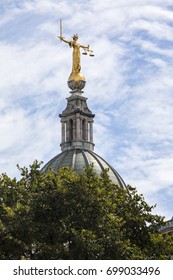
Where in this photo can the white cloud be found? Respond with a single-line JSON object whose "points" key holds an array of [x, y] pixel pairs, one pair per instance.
{"points": [[158, 30]]}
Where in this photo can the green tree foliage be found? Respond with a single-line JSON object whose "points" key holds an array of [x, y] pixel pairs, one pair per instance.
{"points": [[69, 216]]}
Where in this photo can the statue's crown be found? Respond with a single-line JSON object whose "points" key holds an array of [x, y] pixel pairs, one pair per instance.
{"points": [[75, 36]]}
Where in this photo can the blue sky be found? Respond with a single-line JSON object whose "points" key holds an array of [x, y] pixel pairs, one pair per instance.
{"points": [[129, 85]]}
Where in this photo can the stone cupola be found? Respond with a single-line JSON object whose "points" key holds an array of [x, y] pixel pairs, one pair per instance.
{"points": [[77, 123]]}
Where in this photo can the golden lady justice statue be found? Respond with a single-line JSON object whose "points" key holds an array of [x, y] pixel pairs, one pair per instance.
{"points": [[76, 80]]}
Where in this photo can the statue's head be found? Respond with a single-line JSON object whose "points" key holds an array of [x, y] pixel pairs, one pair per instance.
{"points": [[75, 37]]}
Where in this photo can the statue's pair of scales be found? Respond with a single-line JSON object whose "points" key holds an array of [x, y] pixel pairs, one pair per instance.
{"points": [[76, 80]]}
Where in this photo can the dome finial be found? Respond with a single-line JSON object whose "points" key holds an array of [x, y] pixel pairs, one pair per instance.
{"points": [[76, 80]]}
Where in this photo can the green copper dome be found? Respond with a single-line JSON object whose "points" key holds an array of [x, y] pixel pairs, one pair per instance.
{"points": [[79, 159]]}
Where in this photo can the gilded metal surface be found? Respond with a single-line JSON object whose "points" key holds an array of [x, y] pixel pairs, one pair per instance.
{"points": [[76, 60]]}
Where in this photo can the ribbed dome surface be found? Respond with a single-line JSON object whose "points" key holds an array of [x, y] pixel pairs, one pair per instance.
{"points": [[78, 159]]}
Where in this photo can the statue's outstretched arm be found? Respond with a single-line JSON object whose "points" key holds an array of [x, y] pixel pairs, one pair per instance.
{"points": [[85, 47], [63, 39]]}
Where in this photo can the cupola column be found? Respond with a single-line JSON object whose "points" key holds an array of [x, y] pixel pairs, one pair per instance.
{"points": [[78, 128], [74, 130], [67, 130], [63, 132], [86, 130], [91, 131]]}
